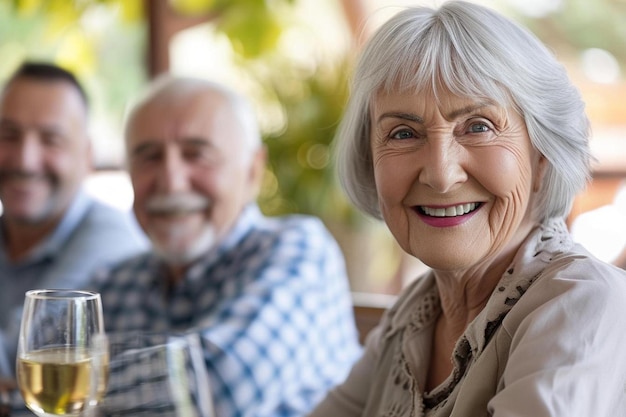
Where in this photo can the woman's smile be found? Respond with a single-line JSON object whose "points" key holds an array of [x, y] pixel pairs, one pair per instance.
{"points": [[449, 211], [447, 216]]}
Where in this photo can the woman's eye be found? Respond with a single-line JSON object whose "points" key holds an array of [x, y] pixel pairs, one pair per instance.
{"points": [[402, 134], [479, 128]]}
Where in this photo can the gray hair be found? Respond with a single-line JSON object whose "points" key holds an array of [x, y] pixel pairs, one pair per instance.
{"points": [[171, 88], [472, 52]]}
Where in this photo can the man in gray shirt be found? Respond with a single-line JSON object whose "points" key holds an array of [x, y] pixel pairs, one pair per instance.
{"points": [[52, 233]]}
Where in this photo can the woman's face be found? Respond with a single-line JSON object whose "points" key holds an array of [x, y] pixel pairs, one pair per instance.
{"points": [[456, 177]]}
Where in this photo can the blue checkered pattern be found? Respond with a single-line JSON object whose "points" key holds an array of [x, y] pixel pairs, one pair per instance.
{"points": [[156, 375], [272, 307]]}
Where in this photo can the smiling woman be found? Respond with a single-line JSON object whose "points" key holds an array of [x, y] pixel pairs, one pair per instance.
{"points": [[467, 137], [428, 160]]}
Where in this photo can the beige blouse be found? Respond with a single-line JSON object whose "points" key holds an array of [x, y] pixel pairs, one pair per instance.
{"points": [[551, 341]]}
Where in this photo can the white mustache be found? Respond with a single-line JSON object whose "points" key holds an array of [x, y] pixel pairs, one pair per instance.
{"points": [[177, 203]]}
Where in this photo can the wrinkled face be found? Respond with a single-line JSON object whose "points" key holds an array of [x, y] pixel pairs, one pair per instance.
{"points": [[44, 149], [455, 180], [192, 172]]}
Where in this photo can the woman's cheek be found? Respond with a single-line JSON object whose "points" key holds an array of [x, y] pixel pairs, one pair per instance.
{"points": [[504, 173]]}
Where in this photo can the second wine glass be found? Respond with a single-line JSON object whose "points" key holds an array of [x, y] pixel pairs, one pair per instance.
{"points": [[157, 374]]}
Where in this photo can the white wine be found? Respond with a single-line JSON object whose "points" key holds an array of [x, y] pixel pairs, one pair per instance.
{"points": [[58, 380]]}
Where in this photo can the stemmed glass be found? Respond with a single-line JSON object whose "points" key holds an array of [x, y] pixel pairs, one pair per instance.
{"points": [[62, 357], [156, 374]]}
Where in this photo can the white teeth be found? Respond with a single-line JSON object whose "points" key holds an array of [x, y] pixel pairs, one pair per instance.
{"points": [[453, 211]]}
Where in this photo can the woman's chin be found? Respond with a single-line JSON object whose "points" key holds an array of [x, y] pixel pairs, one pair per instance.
{"points": [[448, 261]]}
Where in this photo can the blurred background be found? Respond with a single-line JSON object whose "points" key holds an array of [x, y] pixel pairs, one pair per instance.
{"points": [[293, 59]]}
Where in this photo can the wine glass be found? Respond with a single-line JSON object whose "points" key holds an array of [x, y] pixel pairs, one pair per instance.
{"points": [[62, 355], [156, 374]]}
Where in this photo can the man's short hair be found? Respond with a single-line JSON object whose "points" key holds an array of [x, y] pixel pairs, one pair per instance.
{"points": [[43, 71]]}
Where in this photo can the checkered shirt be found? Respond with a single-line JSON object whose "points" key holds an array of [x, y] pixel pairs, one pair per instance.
{"points": [[272, 307]]}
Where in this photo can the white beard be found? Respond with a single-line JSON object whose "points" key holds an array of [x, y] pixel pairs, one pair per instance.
{"points": [[174, 248], [176, 254]]}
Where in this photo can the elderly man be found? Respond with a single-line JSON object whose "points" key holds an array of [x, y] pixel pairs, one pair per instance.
{"points": [[268, 296], [52, 234]]}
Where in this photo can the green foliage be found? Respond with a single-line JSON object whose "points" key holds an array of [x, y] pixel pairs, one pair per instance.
{"points": [[302, 177], [252, 26], [251, 30], [108, 60], [193, 7], [582, 24], [18, 38]]}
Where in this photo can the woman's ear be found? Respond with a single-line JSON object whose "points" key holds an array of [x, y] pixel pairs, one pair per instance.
{"points": [[540, 172]]}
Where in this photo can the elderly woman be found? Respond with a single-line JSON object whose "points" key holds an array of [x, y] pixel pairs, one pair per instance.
{"points": [[466, 137]]}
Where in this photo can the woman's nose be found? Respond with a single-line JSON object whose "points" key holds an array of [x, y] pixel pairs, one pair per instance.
{"points": [[441, 164]]}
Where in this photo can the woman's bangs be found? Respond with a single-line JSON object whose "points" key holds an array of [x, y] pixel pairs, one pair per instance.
{"points": [[433, 64]]}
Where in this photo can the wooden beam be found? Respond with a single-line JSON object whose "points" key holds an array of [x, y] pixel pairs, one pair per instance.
{"points": [[163, 23], [355, 13]]}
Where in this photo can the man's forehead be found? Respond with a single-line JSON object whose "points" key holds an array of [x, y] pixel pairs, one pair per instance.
{"points": [[52, 95], [182, 118]]}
